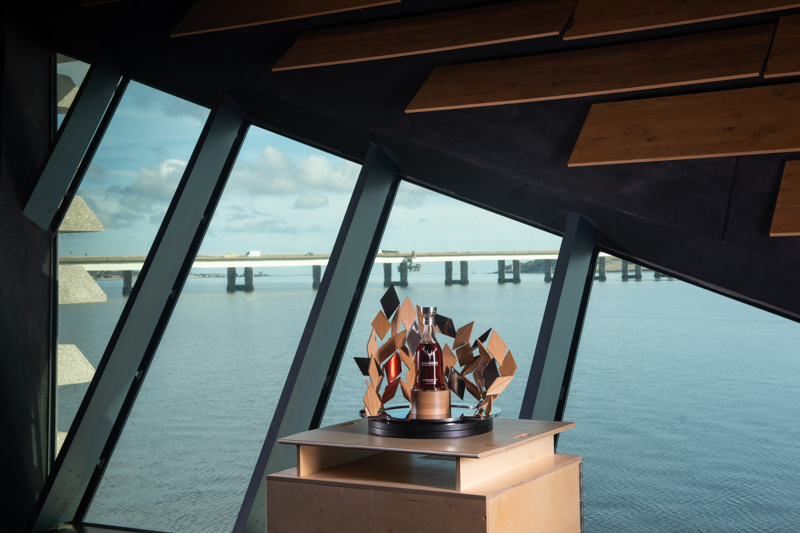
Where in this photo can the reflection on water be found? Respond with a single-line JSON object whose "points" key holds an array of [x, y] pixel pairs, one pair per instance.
{"points": [[685, 402]]}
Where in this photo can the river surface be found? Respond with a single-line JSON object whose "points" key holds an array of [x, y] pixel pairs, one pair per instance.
{"points": [[686, 402]]}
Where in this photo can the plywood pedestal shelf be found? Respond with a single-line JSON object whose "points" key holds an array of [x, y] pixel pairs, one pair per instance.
{"points": [[348, 481]]}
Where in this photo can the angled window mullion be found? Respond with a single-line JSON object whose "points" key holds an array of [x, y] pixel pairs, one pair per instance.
{"points": [[91, 150], [72, 141], [554, 358], [166, 313], [321, 347], [109, 399]]}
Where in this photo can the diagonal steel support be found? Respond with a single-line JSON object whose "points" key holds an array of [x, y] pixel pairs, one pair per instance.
{"points": [[99, 422], [551, 371], [310, 380], [82, 123]]}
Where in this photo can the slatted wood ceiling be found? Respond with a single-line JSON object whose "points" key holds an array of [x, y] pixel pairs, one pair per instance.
{"points": [[215, 15], [784, 58], [605, 17], [496, 23], [722, 55], [759, 120], [786, 220]]}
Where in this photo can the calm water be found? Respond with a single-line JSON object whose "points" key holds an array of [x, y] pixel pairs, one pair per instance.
{"points": [[685, 402]]}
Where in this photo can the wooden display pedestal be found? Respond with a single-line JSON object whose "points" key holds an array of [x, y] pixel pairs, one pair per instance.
{"points": [[348, 481]]}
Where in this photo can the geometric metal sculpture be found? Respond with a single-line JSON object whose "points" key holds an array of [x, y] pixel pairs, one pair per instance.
{"points": [[398, 351]]}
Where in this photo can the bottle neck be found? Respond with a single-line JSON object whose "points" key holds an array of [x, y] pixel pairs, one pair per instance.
{"points": [[427, 332]]}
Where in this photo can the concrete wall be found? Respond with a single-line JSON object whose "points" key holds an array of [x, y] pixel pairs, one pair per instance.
{"points": [[25, 272]]}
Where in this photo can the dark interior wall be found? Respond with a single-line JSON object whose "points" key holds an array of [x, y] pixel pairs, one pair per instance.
{"points": [[25, 273]]}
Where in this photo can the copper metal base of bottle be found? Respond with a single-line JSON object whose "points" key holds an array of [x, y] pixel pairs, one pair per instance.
{"points": [[430, 404]]}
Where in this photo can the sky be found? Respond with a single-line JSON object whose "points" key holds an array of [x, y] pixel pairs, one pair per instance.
{"points": [[282, 196]]}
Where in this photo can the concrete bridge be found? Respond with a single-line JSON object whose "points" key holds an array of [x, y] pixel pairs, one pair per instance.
{"points": [[405, 260]]}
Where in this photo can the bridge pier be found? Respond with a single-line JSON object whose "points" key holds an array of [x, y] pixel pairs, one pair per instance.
{"points": [[127, 282], [659, 275], [501, 271], [637, 273], [624, 270], [248, 279], [387, 274], [403, 274], [548, 269], [316, 274], [248, 285], [448, 274], [231, 279], [601, 269]]}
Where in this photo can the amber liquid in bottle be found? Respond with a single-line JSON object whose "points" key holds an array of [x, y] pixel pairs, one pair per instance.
{"points": [[430, 367]]}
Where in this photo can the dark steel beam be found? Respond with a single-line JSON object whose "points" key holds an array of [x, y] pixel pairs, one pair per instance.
{"points": [[101, 417], [310, 380], [83, 167], [73, 140], [551, 370]]}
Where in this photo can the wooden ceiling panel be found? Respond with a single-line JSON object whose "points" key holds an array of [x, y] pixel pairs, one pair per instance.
{"points": [[784, 57], [215, 15], [593, 18], [723, 55], [760, 120], [496, 23], [786, 220]]}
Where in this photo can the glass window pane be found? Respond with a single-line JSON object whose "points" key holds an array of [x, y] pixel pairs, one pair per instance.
{"points": [[114, 217], [685, 404], [423, 221], [69, 76], [188, 450]]}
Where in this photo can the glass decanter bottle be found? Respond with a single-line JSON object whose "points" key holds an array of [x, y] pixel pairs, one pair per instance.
{"points": [[430, 368]]}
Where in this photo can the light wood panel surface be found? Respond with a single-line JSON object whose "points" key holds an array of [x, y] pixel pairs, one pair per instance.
{"points": [[496, 23], [784, 57], [215, 15], [310, 508], [758, 120], [471, 472], [294, 508], [605, 17], [355, 434], [397, 513], [722, 55], [423, 474], [786, 220], [312, 459], [549, 504]]}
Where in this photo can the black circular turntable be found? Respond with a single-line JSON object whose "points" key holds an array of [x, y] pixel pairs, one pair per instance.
{"points": [[394, 422]]}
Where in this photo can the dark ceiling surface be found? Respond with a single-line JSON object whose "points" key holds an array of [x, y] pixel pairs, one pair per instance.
{"points": [[705, 221]]}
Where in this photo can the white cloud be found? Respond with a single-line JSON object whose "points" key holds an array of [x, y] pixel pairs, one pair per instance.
{"points": [[145, 200], [311, 201], [274, 173], [413, 196], [165, 104]]}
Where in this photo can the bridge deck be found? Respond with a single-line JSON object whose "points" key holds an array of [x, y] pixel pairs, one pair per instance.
{"points": [[135, 262]]}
